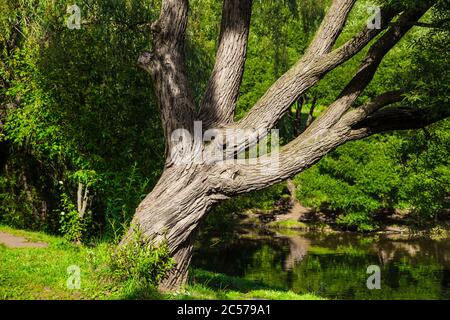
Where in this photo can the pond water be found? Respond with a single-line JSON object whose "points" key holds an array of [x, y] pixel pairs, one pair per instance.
{"points": [[335, 266]]}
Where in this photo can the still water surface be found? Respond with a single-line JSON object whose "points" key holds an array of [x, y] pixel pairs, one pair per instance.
{"points": [[335, 266]]}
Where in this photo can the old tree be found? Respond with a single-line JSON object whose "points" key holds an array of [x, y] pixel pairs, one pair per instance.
{"points": [[192, 183]]}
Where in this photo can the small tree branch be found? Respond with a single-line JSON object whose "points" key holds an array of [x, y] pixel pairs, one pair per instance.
{"points": [[399, 118], [85, 202], [310, 118], [79, 197], [219, 102], [360, 113], [297, 121]]}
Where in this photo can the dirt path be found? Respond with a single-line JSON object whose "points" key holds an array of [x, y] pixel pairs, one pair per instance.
{"points": [[12, 241], [297, 210]]}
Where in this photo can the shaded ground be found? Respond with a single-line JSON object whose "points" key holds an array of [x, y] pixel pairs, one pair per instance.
{"points": [[12, 241]]}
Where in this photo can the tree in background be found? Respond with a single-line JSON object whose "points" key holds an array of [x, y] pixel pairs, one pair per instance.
{"points": [[81, 142]]}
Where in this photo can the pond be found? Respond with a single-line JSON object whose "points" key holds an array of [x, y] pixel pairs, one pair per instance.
{"points": [[334, 266]]}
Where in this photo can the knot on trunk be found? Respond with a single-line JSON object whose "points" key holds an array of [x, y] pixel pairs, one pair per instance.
{"points": [[145, 60]]}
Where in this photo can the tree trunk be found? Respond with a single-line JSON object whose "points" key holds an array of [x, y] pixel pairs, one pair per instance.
{"points": [[172, 213]]}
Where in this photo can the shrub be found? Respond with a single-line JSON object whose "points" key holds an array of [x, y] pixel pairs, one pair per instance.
{"points": [[356, 220], [355, 182], [141, 260]]}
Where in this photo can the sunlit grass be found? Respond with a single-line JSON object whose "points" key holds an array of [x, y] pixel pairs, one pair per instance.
{"points": [[288, 224], [41, 273]]}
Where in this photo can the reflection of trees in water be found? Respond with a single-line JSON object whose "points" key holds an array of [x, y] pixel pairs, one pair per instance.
{"points": [[386, 248], [335, 266], [298, 248], [414, 250], [414, 268], [237, 257], [389, 250]]}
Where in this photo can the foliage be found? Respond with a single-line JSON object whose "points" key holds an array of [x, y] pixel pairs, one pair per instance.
{"points": [[82, 112], [356, 180], [426, 174], [142, 261], [363, 178]]}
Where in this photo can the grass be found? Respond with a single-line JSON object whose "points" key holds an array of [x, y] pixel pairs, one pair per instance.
{"points": [[208, 285], [197, 292], [288, 224], [41, 273]]}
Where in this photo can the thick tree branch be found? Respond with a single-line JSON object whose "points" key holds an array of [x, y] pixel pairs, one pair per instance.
{"points": [[239, 176], [219, 102], [399, 118], [166, 64]]}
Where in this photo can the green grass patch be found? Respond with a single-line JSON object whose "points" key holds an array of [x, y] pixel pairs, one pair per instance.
{"points": [[288, 224], [212, 286], [42, 273]]}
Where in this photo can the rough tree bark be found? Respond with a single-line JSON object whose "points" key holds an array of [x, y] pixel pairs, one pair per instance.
{"points": [[189, 188]]}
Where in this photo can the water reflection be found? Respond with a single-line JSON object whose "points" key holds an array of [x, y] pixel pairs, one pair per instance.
{"points": [[334, 266], [298, 248]]}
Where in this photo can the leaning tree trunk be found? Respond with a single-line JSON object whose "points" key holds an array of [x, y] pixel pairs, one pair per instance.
{"points": [[172, 213]]}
